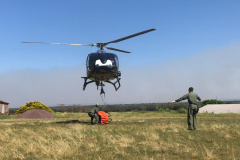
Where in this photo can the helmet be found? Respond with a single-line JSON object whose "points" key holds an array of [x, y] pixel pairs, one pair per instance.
{"points": [[97, 105]]}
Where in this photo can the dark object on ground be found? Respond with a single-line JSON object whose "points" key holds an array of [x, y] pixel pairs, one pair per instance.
{"points": [[35, 114]]}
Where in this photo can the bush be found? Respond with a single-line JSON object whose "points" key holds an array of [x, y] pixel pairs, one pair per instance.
{"points": [[167, 110], [33, 105], [182, 110], [211, 101], [180, 106], [161, 110]]}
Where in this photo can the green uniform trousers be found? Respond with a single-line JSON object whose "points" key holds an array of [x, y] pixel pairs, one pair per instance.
{"points": [[191, 118], [92, 115]]}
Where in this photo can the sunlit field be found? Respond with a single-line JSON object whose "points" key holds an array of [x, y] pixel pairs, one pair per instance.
{"points": [[131, 135]]}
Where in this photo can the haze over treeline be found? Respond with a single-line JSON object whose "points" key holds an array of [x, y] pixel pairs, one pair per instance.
{"points": [[213, 74]]}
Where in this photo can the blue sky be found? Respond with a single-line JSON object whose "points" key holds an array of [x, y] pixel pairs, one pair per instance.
{"points": [[196, 44]]}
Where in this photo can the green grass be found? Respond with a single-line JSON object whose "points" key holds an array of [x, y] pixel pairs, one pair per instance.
{"points": [[131, 135], [7, 116]]}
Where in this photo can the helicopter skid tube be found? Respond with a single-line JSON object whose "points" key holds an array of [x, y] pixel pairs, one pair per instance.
{"points": [[114, 84], [86, 83]]}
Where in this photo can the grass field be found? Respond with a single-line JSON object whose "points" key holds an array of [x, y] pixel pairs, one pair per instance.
{"points": [[131, 135]]}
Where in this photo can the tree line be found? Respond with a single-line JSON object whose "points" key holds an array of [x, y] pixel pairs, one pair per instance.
{"points": [[179, 107], [124, 107], [162, 107]]}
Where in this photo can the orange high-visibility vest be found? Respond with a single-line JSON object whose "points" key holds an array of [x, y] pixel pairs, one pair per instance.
{"points": [[104, 117]]}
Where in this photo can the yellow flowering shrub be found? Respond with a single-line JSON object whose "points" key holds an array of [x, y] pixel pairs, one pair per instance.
{"points": [[33, 105]]}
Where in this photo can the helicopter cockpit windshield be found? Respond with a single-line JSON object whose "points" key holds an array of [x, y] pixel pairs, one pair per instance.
{"points": [[103, 60], [108, 63]]}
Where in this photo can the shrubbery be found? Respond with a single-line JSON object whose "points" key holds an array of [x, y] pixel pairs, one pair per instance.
{"points": [[175, 107], [180, 110], [33, 105], [211, 101]]}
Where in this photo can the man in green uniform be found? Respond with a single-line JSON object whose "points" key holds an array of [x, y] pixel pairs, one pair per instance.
{"points": [[93, 113], [192, 108]]}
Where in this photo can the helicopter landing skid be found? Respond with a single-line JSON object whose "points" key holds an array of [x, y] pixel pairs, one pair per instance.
{"points": [[86, 83], [101, 84], [114, 84]]}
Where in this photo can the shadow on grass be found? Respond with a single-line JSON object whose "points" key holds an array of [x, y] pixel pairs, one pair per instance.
{"points": [[73, 121]]}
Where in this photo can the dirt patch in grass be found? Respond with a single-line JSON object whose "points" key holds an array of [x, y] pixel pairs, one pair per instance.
{"points": [[35, 114]]}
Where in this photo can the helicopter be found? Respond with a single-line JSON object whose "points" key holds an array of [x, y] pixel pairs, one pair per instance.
{"points": [[102, 66]]}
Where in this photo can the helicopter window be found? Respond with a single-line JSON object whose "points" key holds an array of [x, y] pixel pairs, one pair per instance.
{"points": [[112, 57], [99, 63], [103, 57], [88, 60], [116, 61], [92, 59]]}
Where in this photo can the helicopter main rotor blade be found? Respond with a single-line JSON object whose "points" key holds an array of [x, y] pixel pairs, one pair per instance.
{"points": [[117, 50], [131, 36], [73, 44]]}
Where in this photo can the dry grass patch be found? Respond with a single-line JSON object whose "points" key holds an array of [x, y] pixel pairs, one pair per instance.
{"points": [[131, 135]]}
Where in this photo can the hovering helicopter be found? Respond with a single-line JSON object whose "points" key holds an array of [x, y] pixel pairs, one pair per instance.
{"points": [[102, 66]]}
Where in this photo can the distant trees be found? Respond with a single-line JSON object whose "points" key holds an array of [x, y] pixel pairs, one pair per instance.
{"points": [[33, 105], [178, 107], [211, 101], [162, 107], [71, 108]]}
